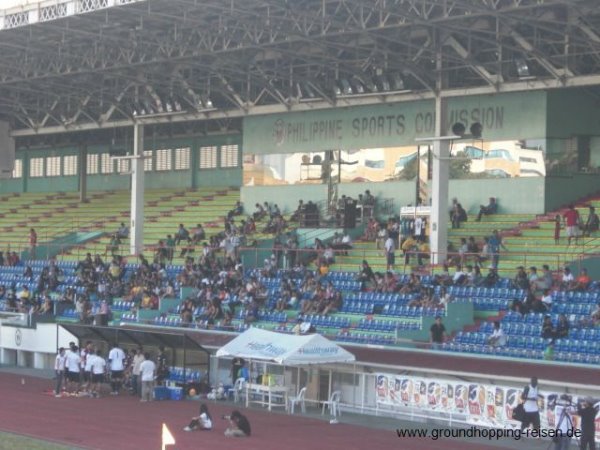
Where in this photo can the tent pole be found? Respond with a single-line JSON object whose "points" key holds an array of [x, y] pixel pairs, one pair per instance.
{"points": [[354, 386], [330, 384]]}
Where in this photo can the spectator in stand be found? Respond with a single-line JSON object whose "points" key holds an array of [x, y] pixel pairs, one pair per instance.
{"points": [[592, 223], [521, 281], [390, 255], [548, 331], [382, 235], [572, 223], [297, 214], [237, 210], [368, 205], [459, 215], [463, 250], [547, 300], [562, 327], [567, 280], [409, 246], [557, 227], [182, 234], [498, 338], [491, 278], [32, 243], [437, 333], [259, 213], [546, 280], [533, 278], [582, 282], [199, 234], [491, 208], [595, 316], [123, 231], [495, 243], [366, 274]]}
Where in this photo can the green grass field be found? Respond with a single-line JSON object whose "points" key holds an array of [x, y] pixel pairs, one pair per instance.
{"points": [[10, 441]]}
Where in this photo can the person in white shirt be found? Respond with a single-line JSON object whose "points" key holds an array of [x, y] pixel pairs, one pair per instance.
{"points": [[390, 248], [138, 359], [147, 374], [547, 299], [73, 366], [98, 365], [201, 422], [116, 358], [59, 370], [87, 359], [530, 405], [498, 338]]}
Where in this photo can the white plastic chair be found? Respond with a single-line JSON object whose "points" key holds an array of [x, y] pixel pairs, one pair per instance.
{"points": [[238, 390], [333, 404], [298, 399]]}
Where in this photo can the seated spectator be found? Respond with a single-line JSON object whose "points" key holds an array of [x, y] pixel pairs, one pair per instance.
{"points": [[199, 234], [463, 250], [238, 425], [237, 210], [548, 331], [182, 234], [259, 213], [366, 274], [582, 282], [547, 299], [498, 338], [562, 327], [459, 215], [596, 316], [545, 281], [491, 208], [491, 278], [592, 223], [123, 231], [567, 280], [521, 281], [460, 277], [297, 214]]}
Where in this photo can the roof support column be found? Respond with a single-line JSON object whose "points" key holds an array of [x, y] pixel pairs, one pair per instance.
{"points": [[136, 238], [439, 186]]}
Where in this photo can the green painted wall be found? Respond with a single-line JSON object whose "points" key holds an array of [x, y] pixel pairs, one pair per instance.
{"points": [[561, 190], [506, 116], [572, 112], [515, 195], [172, 179]]}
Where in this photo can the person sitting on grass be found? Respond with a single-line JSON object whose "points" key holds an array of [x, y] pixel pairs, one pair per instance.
{"points": [[201, 422]]}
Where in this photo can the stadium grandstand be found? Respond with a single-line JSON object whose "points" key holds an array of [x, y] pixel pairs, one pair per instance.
{"points": [[408, 188]]}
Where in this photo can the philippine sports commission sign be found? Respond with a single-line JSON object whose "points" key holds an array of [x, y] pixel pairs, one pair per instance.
{"points": [[395, 124]]}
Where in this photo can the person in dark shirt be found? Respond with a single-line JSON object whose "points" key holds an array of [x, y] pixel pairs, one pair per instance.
{"points": [[239, 426], [236, 365], [437, 333], [587, 411]]}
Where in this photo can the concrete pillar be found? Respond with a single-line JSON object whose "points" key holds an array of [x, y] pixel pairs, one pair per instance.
{"points": [[83, 173], [439, 187], [39, 360], [136, 235]]}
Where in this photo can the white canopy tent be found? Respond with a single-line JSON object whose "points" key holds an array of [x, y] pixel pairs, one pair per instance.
{"points": [[281, 349], [285, 349]]}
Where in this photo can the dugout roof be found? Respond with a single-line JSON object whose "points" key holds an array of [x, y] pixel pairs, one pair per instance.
{"points": [[71, 65]]}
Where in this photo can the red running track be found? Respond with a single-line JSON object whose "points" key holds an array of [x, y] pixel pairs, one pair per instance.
{"points": [[124, 423]]}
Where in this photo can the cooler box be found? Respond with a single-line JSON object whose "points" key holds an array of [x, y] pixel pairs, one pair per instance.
{"points": [[162, 393], [176, 393]]}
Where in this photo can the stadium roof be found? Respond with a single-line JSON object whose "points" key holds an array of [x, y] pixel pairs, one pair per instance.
{"points": [[68, 65]]}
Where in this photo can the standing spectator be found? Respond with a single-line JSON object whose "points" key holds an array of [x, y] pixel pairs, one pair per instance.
{"points": [[494, 245], [530, 405], [98, 372], [390, 256], [437, 333], [73, 367], [59, 370], [123, 231], [236, 364], [147, 373], [587, 411], [572, 222], [138, 359], [32, 243], [116, 358], [557, 227], [592, 223]]}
